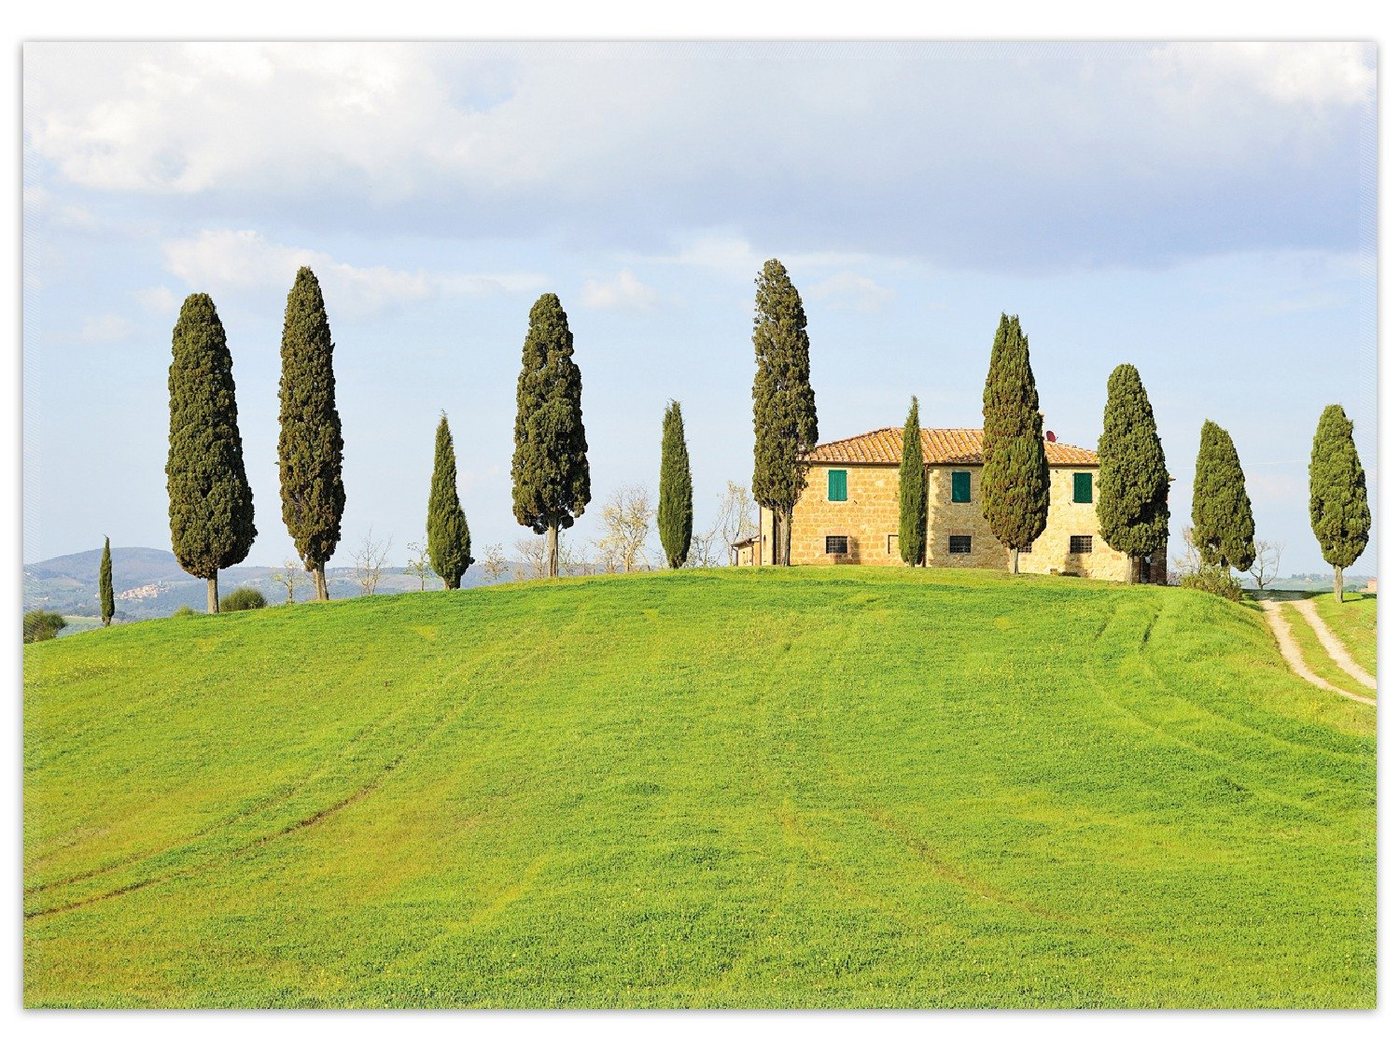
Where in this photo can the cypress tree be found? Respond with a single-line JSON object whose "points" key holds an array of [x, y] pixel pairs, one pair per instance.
{"points": [[784, 406], [1341, 518], [549, 470], [1133, 480], [1222, 522], [449, 540], [913, 492], [105, 600], [675, 510], [1015, 473], [211, 504], [310, 449]]}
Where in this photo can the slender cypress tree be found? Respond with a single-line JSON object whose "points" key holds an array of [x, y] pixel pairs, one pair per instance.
{"points": [[104, 584], [449, 540], [1133, 480], [310, 449], [1222, 522], [913, 492], [1341, 518], [675, 510], [211, 504], [549, 470], [1015, 479], [784, 406]]}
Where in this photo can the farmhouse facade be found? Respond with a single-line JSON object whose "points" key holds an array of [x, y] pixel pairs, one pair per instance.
{"points": [[849, 512]]}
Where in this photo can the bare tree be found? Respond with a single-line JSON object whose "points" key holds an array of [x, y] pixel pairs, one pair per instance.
{"points": [[493, 562], [419, 565], [534, 559], [1266, 559], [627, 520], [291, 575], [369, 562], [1188, 562], [735, 520]]}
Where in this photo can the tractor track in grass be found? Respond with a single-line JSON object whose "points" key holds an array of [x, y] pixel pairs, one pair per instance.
{"points": [[1335, 649], [1293, 654]]}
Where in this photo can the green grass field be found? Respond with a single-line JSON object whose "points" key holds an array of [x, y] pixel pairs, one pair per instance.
{"points": [[756, 788], [1316, 656], [1353, 621]]}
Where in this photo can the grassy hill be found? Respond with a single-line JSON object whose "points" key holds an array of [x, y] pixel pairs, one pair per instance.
{"points": [[717, 788]]}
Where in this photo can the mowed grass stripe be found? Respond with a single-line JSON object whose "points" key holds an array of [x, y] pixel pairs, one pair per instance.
{"points": [[1353, 621], [746, 788]]}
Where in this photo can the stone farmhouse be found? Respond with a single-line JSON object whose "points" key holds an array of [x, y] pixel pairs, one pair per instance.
{"points": [[849, 512]]}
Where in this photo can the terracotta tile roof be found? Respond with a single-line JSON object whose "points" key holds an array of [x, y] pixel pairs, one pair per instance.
{"points": [[942, 445]]}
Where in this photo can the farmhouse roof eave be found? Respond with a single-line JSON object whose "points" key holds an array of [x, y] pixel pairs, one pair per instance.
{"points": [[942, 446]]}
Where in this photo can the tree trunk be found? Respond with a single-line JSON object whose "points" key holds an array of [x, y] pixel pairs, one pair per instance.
{"points": [[319, 575], [1337, 581], [552, 550], [213, 583], [787, 537], [1015, 560], [1134, 569]]}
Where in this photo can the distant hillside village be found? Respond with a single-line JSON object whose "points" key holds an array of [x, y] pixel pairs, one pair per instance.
{"points": [[1005, 496]]}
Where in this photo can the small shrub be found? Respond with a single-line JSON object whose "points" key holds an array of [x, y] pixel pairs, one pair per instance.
{"points": [[184, 610], [1214, 580], [243, 598], [40, 625]]}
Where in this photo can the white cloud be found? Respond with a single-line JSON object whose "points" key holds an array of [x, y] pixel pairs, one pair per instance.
{"points": [[105, 328], [158, 300], [851, 291], [240, 259], [1315, 73], [623, 292]]}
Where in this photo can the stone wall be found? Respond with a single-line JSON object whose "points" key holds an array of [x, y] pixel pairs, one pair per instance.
{"points": [[869, 518]]}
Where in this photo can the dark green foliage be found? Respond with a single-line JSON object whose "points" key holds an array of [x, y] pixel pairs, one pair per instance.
{"points": [[1015, 472], [211, 504], [1341, 518], [549, 469], [310, 450], [1222, 523], [449, 540], [106, 603], [675, 511], [913, 492], [40, 625], [784, 406], [244, 598], [1214, 579], [1133, 480]]}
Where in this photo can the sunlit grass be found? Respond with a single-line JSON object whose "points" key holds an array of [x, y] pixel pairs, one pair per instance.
{"points": [[1353, 621], [748, 788]]}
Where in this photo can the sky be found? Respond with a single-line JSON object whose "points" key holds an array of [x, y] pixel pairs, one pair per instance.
{"points": [[1204, 211]]}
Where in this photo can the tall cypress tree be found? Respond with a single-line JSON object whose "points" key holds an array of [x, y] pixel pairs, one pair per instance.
{"points": [[675, 510], [1015, 479], [310, 449], [1222, 522], [449, 540], [105, 601], [549, 470], [784, 406], [211, 504], [913, 492], [1341, 518], [1133, 480]]}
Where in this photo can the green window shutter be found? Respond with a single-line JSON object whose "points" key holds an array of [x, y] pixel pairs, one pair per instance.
{"points": [[1084, 488], [962, 486], [836, 486]]}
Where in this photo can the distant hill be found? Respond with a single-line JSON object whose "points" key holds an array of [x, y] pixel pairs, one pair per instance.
{"points": [[149, 583]]}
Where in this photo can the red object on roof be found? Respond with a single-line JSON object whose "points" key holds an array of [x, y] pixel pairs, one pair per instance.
{"points": [[1049, 435]]}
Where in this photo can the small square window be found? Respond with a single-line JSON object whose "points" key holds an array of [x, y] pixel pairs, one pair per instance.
{"points": [[892, 543], [959, 544], [1081, 545], [836, 545], [1084, 488], [836, 486], [962, 486]]}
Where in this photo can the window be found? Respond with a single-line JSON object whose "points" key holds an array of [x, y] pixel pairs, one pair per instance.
{"points": [[1024, 550], [959, 544], [1084, 488], [962, 486], [836, 545], [892, 543], [1081, 545], [836, 486]]}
